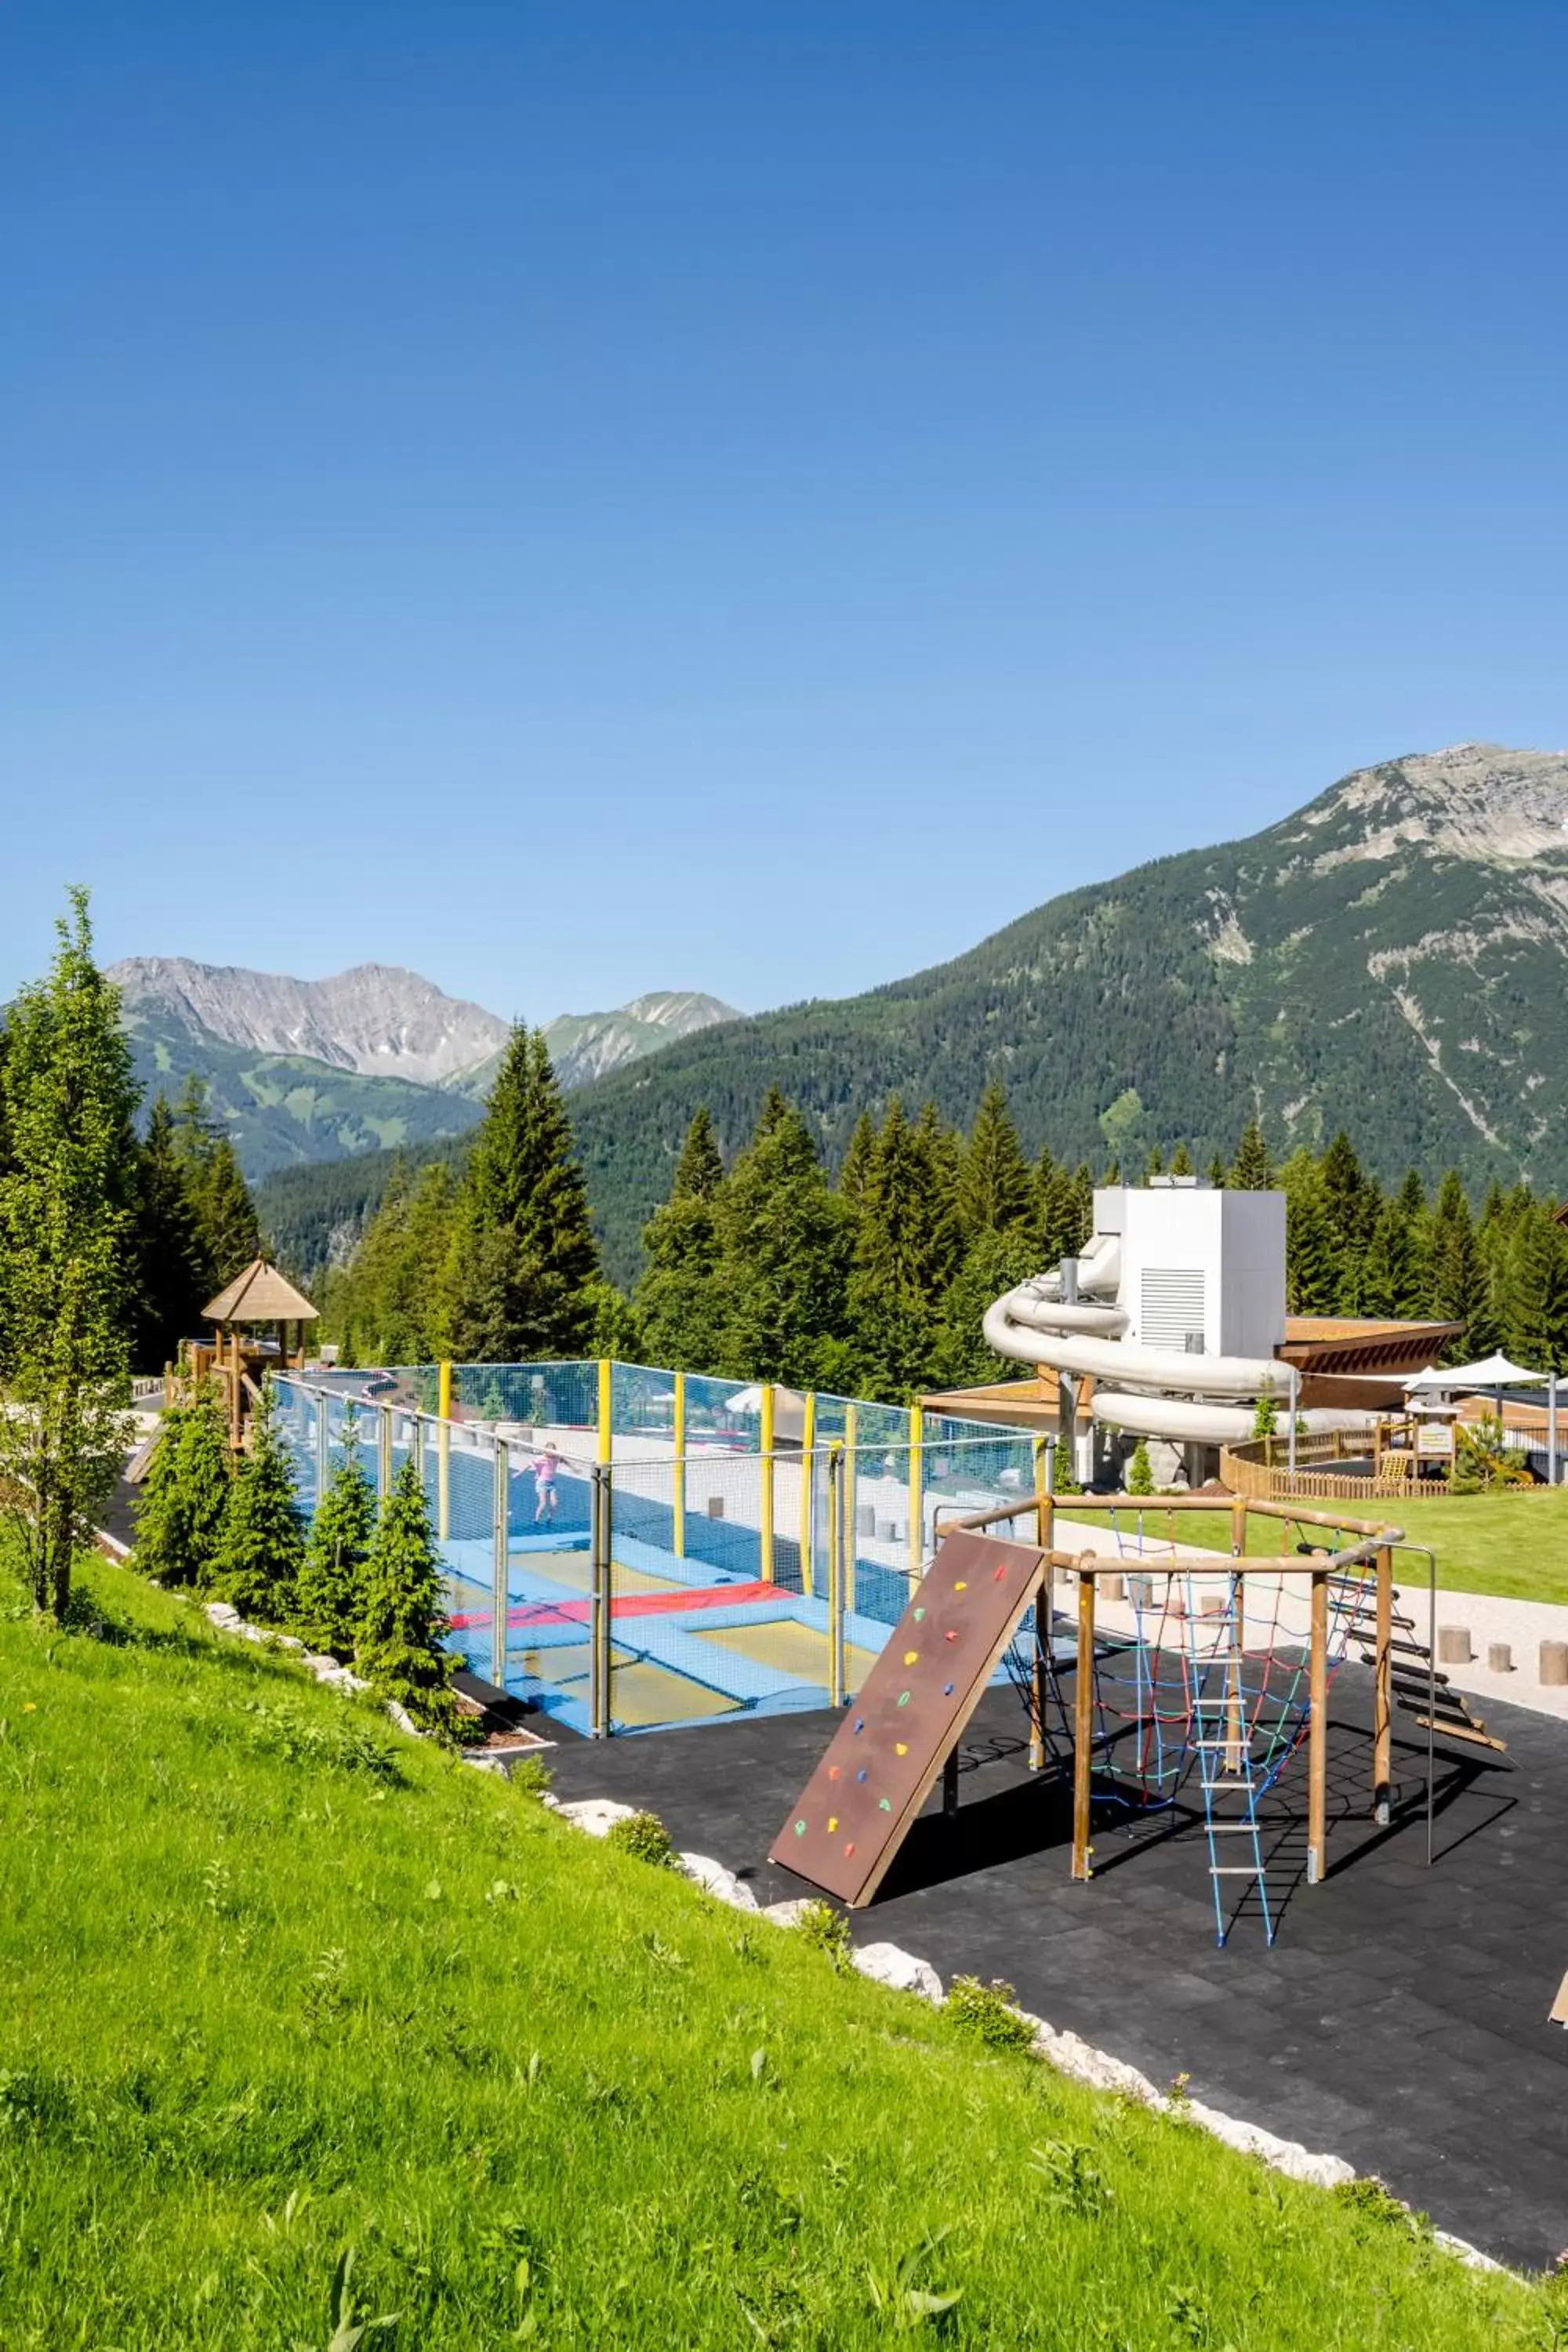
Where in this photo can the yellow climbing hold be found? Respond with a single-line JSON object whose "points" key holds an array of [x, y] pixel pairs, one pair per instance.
{"points": [[911, 1657]]}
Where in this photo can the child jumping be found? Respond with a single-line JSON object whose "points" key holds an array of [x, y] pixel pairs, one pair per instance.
{"points": [[544, 1467]]}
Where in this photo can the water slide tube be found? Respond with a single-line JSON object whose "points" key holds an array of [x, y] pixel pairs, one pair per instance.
{"points": [[1151, 1392]]}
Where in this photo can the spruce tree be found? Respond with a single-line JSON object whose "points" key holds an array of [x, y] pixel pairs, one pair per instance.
{"points": [[1533, 1293], [183, 1504], [1351, 1203], [255, 1567], [1251, 1171], [785, 1241], [857, 1165], [1460, 1289], [993, 1263], [331, 1597], [1140, 1471], [679, 1299], [400, 1647], [1181, 1161], [65, 1207], [1311, 1267], [173, 1272], [1392, 1281], [995, 1195], [523, 1252], [229, 1230], [906, 1254]]}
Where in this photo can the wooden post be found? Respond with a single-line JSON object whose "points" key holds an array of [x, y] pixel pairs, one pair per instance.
{"points": [[235, 1392], [1318, 1735], [1238, 1526], [1236, 1712], [1383, 1695], [1083, 1730]]}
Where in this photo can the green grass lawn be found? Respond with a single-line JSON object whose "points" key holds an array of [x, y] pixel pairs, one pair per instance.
{"points": [[1513, 1545], [278, 1984]]}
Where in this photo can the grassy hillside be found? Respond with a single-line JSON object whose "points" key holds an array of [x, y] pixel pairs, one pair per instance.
{"points": [[279, 1986]]}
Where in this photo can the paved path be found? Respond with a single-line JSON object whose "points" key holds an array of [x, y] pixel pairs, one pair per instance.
{"points": [[1399, 2022]]}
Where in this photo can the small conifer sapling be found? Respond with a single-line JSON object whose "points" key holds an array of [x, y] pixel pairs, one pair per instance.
{"points": [[256, 1564], [400, 1648], [330, 1606]]}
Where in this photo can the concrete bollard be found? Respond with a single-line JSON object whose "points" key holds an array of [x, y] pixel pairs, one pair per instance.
{"points": [[1554, 1664], [865, 1518], [1113, 1588], [715, 1506], [1453, 1645], [1141, 1591], [1213, 1605], [1499, 1658]]}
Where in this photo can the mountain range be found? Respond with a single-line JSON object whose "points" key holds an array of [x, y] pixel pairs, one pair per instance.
{"points": [[1389, 959], [371, 1059]]}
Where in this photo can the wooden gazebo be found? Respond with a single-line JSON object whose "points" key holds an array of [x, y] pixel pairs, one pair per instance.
{"points": [[258, 1297]]}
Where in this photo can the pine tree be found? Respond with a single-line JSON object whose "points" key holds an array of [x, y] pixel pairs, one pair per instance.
{"points": [[172, 1272], [678, 1298], [785, 1241], [256, 1564], [523, 1251], [1064, 1475], [66, 1206], [330, 1595], [906, 1254], [994, 1189], [229, 1230], [1351, 1203], [858, 1160], [1392, 1275], [1181, 1161], [1140, 1470], [1312, 1268], [1533, 1293], [400, 1647], [1215, 1174], [993, 1263], [1251, 1170], [1460, 1289]]}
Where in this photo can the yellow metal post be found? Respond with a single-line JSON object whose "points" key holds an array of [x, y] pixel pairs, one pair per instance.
{"points": [[444, 1451], [680, 1465], [807, 1491], [917, 1491], [766, 1510], [607, 1424], [851, 1508]]}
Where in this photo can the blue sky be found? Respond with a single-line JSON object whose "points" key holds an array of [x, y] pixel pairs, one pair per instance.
{"points": [[583, 500]]}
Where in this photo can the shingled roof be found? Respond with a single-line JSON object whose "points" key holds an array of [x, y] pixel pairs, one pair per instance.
{"points": [[259, 1295]]}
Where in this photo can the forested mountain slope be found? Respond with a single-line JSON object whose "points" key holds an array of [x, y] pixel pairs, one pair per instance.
{"points": [[1390, 958]]}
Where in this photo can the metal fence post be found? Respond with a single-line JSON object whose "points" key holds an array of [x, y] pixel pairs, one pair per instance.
{"points": [[851, 1508], [444, 1449], [383, 1453], [321, 1455], [500, 1562], [680, 1513], [607, 1408], [600, 1712], [835, 1574]]}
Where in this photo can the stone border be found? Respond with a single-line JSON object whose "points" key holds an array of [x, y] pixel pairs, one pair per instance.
{"points": [[886, 1964]]}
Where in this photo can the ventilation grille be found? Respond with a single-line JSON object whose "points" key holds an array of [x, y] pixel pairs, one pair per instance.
{"points": [[1170, 1313]]}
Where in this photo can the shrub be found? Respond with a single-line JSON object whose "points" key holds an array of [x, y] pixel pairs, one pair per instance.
{"points": [[1141, 1473], [644, 1836], [986, 2011], [184, 1505], [533, 1776], [826, 1930]]}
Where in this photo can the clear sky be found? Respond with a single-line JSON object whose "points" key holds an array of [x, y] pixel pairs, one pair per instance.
{"points": [[583, 499]]}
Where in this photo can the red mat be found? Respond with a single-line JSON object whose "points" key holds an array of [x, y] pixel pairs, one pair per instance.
{"points": [[631, 1604]]}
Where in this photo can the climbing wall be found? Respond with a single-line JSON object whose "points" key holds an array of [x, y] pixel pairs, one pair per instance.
{"points": [[885, 1757]]}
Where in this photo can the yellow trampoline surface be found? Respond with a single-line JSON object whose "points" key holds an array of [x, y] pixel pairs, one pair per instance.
{"points": [[790, 1649]]}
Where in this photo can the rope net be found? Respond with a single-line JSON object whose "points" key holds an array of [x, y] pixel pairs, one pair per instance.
{"points": [[1190, 1636]]}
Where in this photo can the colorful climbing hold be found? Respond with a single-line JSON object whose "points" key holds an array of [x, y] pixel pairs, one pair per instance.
{"points": [[947, 1690], [903, 1698], [952, 1636], [1000, 1573], [800, 1829], [861, 1774], [849, 1849], [884, 1805], [861, 1725], [920, 1615], [911, 1657], [963, 1585], [903, 1746], [832, 1823], [833, 1771]]}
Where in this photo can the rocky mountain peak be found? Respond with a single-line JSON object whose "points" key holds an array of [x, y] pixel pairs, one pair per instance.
{"points": [[1480, 802]]}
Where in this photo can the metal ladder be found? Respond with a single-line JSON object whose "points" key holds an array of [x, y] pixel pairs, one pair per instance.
{"points": [[1221, 1739]]}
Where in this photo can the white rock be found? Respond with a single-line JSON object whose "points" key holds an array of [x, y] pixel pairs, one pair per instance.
{"points": [[886, 1964], [1287, 2156], [597, 1816], [1472, 2256], [715, 1880], [222, 1613], [288, 1641], [788, 1914], [1087, 2064], [404, 1720]]}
